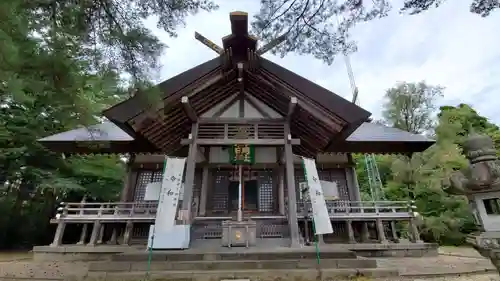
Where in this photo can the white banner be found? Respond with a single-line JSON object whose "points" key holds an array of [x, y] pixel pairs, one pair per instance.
{"points": [[322, 222], [169, 194]]}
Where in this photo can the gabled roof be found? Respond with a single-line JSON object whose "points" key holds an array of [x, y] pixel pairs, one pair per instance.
{"points": [[317, 115], [336, 104]]}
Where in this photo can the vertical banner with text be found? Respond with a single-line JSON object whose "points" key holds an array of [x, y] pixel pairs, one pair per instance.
{"points": [[169, 194], [322, 222]]}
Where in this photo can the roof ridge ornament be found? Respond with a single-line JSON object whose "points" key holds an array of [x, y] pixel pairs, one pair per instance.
{"points": [[239, 46]]}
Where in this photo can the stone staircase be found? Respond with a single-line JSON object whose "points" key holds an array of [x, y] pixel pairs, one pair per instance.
{"points": [[238, 264]]}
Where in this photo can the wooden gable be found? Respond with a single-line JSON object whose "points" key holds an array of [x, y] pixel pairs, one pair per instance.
{"points": [[236, 85]]}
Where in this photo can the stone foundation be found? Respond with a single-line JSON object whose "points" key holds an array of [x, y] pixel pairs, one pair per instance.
{"points": [[103, 252]]}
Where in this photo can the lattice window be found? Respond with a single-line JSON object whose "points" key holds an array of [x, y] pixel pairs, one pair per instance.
{"points": [[266, 198], [220, 195], [299, 177], [143, 178], [337, 176]]}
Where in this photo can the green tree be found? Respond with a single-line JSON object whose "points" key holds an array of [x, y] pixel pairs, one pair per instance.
{"points": [[321, 27], [410, 106], [460, 120]]}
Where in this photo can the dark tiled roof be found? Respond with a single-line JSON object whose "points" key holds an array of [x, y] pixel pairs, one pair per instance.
{"points": [[106, 131], [378, 132], [368, 138], [345, 109]]}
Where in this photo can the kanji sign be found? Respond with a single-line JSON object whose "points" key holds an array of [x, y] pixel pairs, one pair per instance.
{"points": [[242, 154]]}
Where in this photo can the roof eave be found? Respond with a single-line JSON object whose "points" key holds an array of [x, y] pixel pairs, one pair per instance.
{"points": [[345, 109], [128, 109], [382, 147]]}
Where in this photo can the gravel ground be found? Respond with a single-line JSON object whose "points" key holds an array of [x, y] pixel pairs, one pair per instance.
{"points": [[450, 260], [436, 265]]}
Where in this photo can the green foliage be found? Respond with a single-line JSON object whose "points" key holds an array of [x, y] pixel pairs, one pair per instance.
{"points": [[457, 123], [62, 63], [321, 28], [445, 218]]}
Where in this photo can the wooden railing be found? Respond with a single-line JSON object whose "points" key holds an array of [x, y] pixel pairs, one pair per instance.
{"points": [[119, 214], [106, 212], [240, 130], [363, 209], [146, 212]]}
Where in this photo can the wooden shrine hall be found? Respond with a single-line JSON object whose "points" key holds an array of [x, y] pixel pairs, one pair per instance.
{"points": [[238, 109]]}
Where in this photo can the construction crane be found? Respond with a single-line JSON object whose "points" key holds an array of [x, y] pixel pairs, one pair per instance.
{"points": [[375, 184]]}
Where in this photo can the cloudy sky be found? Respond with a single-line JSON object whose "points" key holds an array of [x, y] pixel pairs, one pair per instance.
{"points": [[448, 46]]}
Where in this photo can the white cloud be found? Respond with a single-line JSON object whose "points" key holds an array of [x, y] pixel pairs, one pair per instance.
{"points": [[448, 46]]}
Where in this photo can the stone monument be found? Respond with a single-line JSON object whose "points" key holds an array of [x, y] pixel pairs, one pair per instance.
{"points": [[480, 182]]}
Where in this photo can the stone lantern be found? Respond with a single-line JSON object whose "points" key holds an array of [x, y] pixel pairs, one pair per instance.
{"points": [[480, 182]]}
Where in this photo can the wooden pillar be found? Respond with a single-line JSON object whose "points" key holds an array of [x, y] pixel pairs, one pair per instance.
{"points": [[204, 191], [352, 180], [114, 236], [381, 231], [292, 196], [83, 234], [58, 236], [365, 233], [101, 234], [281, 190], [394, 232], [414, 234], [94, 236], [350, 232], [61, 226], [189, 180], [321, 239], [127, 235], [128, 184]]}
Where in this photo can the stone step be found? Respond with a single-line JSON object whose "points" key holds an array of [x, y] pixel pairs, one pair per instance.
{"points": [[252, 275], [261, 255], [121, 266]]}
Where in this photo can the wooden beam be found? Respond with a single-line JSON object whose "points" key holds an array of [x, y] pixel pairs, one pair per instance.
{"points": [[189, 176], [205, 41], [230, 120], [223, 109], [261, 111], [291, 108], [261, 142], [188, 109], [275, 42]]}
